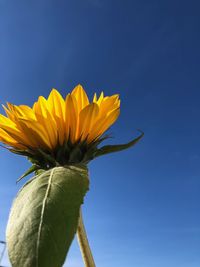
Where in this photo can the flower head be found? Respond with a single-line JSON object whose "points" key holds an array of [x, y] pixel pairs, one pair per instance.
{"points": [[56, 124], [53, 121], [58, 131]]}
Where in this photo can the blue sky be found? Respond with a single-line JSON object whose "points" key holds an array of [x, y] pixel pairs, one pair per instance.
{"points": [[143, 205]]}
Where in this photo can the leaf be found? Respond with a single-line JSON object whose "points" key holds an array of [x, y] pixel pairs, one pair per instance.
{"points": [[115, 148], [44, 217]]}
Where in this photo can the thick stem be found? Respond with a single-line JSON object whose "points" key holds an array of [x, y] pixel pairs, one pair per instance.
{"points": [[84, 244]]}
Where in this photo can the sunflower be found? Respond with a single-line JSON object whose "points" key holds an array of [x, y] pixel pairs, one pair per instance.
{"points": [[57, 130], [59, 136]]}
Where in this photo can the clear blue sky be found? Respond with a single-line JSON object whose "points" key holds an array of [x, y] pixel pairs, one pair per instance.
{"points": [[143, 206]]}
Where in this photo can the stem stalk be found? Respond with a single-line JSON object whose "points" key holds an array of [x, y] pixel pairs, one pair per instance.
{"points": [[84, 244]]}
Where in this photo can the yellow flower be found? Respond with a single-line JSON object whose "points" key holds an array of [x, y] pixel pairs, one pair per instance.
{"points": [[64, 129], [52, 121]]}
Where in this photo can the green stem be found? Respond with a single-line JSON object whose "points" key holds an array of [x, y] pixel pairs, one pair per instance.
{"points": [[84, 244]]}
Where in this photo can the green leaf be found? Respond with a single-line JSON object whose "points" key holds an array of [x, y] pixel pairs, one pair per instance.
{"points": [[44, 217], [116, 148]]}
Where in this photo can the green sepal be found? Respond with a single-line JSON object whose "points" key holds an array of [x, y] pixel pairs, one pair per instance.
{"points": [[19, 152], [75, 154], [32, 169], [48, 157], [44, 217], [116, 148]]}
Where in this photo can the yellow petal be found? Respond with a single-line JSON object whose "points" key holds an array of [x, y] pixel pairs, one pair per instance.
{"points": [[100, 98], [36, 131], [8, 113], [71, 116], [110, 119], [81, 97], [108, 104], [56, 103], [57, 107], [14, 130], [87, 119], [45, 118], [8, 140], [26, 112], [95, 98], [40, 107], [6, 121], [103, 124], [17, 135]]}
